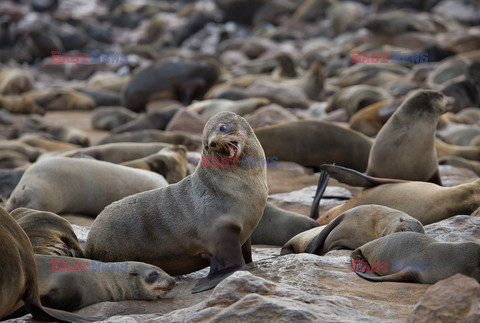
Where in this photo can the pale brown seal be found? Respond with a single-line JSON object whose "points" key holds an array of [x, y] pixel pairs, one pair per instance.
{"points": [[353, 229], [82, 186], [426, 202], [207, 216]]}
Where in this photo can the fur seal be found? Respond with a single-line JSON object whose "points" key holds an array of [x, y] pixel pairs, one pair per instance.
{"points": [[461, 162], [426, 202], [108, 118], [183, 80], [356, 97], [71, 288], [49, 233], [14, 81], [20, 104], [9, 179], [397, 152], [312, 143], [208, 108], [171, 163], [277, 226], [467, 152], [192, 142], [81, 186], [61, 99], [353, 229], [41, 142], [117, 152], [371, 119], [417, 258], [151, 120], [217, 208], [19, 277]]}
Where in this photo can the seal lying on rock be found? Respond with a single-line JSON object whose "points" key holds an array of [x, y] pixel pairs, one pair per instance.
{"points": [[19, 278], [417, 258], [352, 229], [208, 216]]}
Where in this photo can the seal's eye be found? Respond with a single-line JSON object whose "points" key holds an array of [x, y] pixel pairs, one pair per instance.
{"points": [[223, 128], [152, 277]]}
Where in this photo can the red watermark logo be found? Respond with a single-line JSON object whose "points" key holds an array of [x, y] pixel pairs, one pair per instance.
{"points": [[395, 57]]}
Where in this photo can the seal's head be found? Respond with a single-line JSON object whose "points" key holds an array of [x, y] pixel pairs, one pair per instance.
{"points": [[227, 134], [149, 281], [426, 101], [404, 225]]}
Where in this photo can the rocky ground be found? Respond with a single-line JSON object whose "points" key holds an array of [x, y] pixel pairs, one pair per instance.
{"points": [[303, 287]]}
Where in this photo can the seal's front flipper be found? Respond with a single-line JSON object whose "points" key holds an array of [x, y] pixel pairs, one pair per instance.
{"points": [[227, 257], [247, 251], [213, 279]]}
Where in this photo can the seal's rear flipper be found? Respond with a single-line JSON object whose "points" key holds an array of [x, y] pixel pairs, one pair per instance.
{"points": [[316, 245], [406, 277], [401, 276], [354, 178], [227, 257], [322, 185], [50, 314]]}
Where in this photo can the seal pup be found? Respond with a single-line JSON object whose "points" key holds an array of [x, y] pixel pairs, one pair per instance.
{"points": [[422, 259], [19, 278], [353, 229], [49, 233], [277, 226], [398, 152], [217, 208], [312, 143], [80, 186], [68, 283], [424, 201]]}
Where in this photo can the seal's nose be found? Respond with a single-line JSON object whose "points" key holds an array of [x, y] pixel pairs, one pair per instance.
{"points": [[214, 145]]}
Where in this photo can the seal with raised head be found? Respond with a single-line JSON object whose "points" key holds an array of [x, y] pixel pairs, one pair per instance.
{"points": [[18, 277], [80, 186], [424, 201], [398, 152], [417, 258], [352, 229], [49, 233], [68, 283], [208, 216]]}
